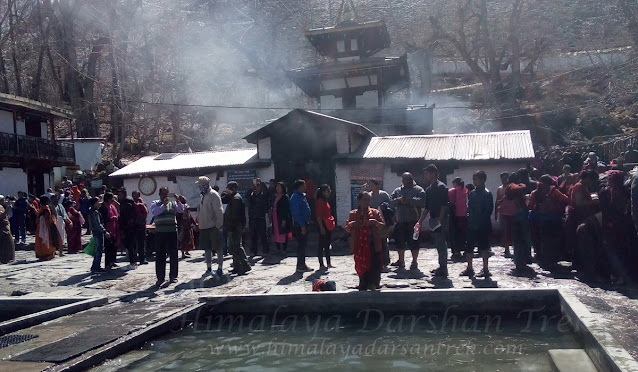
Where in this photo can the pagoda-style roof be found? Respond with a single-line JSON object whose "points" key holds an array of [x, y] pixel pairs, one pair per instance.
{"points": [[353, 76], [371, 37]]}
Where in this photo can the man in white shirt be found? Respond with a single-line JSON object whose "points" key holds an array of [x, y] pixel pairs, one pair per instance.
{"points": [[210, 217]]}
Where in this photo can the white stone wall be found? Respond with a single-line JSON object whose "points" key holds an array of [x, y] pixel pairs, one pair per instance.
{"points": [[131, 184], [21, 128], [390, 180], [342, 193], [265, 148], [13, 180], [266, 174], [6, 121], [47, 181], [343, 142]]}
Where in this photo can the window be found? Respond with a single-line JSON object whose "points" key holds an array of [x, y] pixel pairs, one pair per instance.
{"points": [[354, 45], [341, 46]]}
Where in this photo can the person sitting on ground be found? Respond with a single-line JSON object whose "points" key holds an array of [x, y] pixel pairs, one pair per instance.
{"points": [[479, 226]]}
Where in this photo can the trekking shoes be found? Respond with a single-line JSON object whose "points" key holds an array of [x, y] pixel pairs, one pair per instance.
{"points": [[304, 269], [467, 272]]}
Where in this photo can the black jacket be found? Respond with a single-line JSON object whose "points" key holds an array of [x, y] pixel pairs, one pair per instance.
{"points": [[283, 214], [257, 205], [127, 214], [235, 215]]}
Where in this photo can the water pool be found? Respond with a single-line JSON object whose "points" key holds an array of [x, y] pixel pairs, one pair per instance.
{"points": [[317, 344]]}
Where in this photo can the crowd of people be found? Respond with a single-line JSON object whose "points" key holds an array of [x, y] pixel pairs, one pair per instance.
{"points": [[588, 218]]}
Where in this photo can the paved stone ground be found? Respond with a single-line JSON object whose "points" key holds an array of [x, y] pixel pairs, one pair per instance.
{"points": [[132, 292]]}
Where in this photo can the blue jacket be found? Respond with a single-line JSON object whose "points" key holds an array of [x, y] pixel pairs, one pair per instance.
{"points": [[299, 209], [480, 205]]}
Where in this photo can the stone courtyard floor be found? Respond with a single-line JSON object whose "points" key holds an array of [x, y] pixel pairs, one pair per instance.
{"points": [[132, 294]]}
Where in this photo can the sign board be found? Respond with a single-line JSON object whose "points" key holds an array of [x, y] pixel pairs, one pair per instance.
{"points": [[244, 178], [354, 192], [361, 174], [96, 184], [366, 172]]}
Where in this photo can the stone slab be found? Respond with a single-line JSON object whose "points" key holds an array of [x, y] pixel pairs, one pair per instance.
{"points": [[568, 360], [73, 345], [6, 365]]}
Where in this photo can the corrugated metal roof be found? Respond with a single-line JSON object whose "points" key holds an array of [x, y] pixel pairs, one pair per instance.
{"points": [[187, 161], [476, 146]]}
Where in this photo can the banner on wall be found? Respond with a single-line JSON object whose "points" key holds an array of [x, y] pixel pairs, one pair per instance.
{"points": [[244, 178], [366, 172], [361, 174]]}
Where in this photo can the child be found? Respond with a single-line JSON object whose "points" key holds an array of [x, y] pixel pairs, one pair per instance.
{"points": [[479, 212]]}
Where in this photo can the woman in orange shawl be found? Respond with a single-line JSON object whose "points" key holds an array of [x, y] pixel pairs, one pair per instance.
{"points": [[365, 225], [47, 238]]}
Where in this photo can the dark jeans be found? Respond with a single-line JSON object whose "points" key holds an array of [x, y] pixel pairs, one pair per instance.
{"points": [[21, 229], [110, 252], [165, 243], [139, 244], [258, 233], [224, 241], [372, 277], [324, 247], [128, 241], [240, 261], [522, 247], [458, 233], [97, 258], [302, 242]]}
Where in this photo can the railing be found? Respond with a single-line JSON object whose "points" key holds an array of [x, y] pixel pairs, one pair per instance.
{"points": [[26, 147]]}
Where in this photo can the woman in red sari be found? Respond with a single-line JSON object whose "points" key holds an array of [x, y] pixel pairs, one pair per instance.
{"points": [[185, 223], [47, 238], [615, 202], [365, 225], [74, 230], [548, 204], [581, 206]]}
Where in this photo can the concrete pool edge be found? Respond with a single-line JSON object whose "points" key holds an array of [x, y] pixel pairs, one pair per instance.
{"points": [[488, 300], [60, 307], [606, 353], [126, 343]]}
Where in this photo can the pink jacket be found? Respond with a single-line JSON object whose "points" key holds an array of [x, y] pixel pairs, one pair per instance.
{"points": [[458, 197]]}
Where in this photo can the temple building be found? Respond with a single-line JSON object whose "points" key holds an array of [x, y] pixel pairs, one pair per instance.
{"points": [[354, 84]]}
